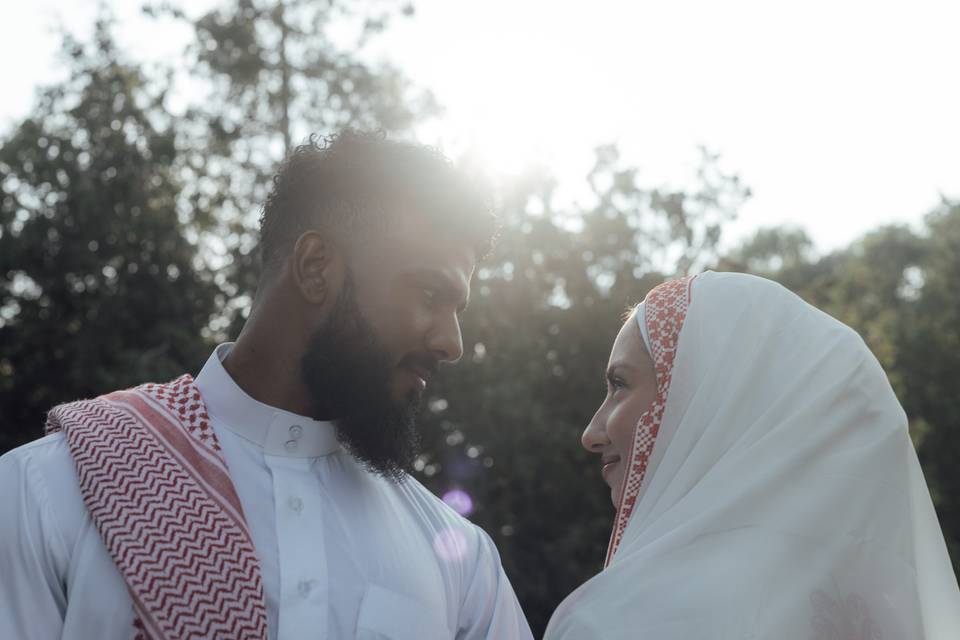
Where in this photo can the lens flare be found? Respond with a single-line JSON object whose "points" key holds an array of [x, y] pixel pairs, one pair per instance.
{"points": [[459, 500]]}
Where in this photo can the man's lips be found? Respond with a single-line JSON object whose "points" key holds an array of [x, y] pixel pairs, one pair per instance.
{"points": [[421, 372]]}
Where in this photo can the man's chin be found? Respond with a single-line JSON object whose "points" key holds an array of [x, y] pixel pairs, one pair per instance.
{"points": [[390, 448], [405, 398], [407, 386]]}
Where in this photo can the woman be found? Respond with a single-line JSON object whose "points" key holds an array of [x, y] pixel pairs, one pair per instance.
{"points": [[764, 479]]}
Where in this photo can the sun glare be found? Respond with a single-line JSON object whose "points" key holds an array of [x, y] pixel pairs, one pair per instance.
{"points": [[525, 114], [811, 118], [513, 97]]}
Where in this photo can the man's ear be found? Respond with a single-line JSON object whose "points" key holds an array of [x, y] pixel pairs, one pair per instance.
{"points": [[315, 267]]}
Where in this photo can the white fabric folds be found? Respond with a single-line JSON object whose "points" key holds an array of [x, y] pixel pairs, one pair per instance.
{"points": [[783, 497]]}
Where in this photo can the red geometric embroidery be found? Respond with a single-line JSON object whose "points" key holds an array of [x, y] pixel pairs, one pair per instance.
{"points": [[665, 310]]}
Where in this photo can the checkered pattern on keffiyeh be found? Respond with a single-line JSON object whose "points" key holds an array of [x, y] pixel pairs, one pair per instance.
{"points": [[158, 491]]}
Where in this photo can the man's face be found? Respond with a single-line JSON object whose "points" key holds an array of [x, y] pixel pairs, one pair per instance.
{"points": [[412, 282], [395, 320]]}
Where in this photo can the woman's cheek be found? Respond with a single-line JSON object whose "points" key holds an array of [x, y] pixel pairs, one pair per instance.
{"points": [[620, 427]]}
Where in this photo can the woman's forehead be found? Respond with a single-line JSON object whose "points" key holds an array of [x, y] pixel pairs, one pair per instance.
{"points": [[628, 346]]}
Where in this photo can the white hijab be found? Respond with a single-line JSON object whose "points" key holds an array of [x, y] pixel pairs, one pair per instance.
{"points": [[782, 497]]}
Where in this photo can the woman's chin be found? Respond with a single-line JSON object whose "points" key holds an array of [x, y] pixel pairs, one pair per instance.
{"points": [[615, 495], [615, 486], [614, 480]]}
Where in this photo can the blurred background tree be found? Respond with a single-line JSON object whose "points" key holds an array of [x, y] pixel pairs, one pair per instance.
{"points": [[271, 72], [100, 285], [504, 425], [127, 237]]}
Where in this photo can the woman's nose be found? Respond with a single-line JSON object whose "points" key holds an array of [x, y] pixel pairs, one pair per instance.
{"points": [[594, 437]]}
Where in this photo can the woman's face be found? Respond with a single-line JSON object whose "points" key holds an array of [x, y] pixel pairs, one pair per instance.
{"points": [[631, 389]]}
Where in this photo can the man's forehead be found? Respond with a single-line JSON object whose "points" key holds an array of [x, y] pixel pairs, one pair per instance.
{"points": [[416, 240]]}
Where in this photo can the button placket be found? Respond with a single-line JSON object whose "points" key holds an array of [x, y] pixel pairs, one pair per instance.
{"points": [[301, 544], [304, 587], [291, 445], [295, 503]]}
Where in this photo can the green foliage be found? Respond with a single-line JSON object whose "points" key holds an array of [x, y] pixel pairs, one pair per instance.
{"points": [[930, 360], [98, 287], [113, 213], [273, 72], [505, 423]]}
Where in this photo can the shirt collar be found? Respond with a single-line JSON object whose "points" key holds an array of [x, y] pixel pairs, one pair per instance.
{"points": [[279, 432]]}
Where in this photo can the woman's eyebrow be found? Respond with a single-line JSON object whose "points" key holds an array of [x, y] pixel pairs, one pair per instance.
{"points": [[609, 374], [612, 369]]}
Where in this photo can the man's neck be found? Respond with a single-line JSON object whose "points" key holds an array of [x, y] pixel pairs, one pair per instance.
{"points": [[268, 374]]}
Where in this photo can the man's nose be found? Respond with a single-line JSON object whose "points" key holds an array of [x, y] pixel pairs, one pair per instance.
{"points": [[446, 341]]}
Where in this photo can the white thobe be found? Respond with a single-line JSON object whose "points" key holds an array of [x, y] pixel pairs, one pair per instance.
{"points": [[343, 552]]}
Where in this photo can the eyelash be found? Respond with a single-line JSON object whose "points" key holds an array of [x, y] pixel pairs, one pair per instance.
{"points": [[615, 383], [433, 296]]}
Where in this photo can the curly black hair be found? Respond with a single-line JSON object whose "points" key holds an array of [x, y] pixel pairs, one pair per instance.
{"points": [[355, 180]]}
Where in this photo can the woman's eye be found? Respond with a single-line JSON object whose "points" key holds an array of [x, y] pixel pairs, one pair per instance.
{"points": [[615, 383], [430, 295]]}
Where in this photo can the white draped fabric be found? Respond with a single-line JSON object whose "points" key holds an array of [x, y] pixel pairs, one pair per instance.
{"points": [[783, 497]]}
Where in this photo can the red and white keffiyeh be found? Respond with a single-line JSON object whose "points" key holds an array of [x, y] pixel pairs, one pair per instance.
{"points": [[158, 491]]}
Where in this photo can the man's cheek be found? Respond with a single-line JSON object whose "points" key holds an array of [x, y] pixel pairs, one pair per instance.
{"points": [[407, 331]]}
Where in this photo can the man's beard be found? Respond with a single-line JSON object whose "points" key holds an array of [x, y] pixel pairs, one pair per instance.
{"points": [[348, 374]]}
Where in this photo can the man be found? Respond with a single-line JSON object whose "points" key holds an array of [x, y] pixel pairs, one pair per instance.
{"points": [[267, 497]]}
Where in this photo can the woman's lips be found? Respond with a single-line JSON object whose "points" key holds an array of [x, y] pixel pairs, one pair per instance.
{"points": [[608, 465]]}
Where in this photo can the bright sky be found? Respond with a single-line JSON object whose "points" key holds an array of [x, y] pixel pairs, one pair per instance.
{"points": [[840, 115]]}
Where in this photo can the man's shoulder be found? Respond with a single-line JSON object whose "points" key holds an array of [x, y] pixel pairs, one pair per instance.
{"points": [[444, 514], [45, 469], [45, 462], [49, 450]]}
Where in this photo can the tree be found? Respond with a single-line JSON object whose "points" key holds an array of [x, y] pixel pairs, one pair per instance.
{"points": [[930, 361], [504, 424], [272, 73], [99, 286], [126, 234]]}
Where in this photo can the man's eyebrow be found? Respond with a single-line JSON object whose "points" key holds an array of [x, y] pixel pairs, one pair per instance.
{"points": [[450, 289]]}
